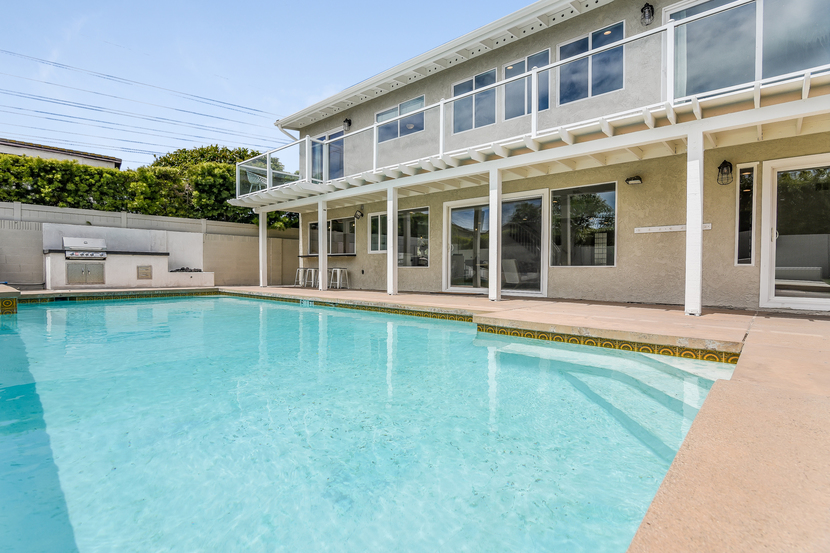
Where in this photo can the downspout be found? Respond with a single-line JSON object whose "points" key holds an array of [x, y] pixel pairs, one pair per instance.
{"points": [[283, 131]]}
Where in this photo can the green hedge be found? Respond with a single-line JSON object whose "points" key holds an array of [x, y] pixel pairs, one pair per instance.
{"points": [[199, 191]]}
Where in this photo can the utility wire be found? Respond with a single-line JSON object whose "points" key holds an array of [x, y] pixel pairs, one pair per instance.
{"points": [[184, 137], [139, 101], [76, 120], [75, 143], [194, 97], [126, 113], [95, 136]]}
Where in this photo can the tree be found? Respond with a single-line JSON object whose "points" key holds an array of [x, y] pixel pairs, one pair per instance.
{"points": [[186, 157]]}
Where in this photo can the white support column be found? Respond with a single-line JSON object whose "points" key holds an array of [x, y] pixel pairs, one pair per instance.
{"points": [[694, 223], [392, 241], [494, 265], [263, 250], [322, 245]]}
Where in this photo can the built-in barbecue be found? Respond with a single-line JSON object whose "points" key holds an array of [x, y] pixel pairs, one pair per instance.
{"points": [[85, 248]]}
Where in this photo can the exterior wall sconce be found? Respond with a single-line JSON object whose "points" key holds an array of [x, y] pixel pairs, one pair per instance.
{"points": [[358, 214], [347, 124], [725, 173], [647, 16], [634, 180]]}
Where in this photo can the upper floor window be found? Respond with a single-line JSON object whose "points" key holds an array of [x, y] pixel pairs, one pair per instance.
{"points": [[477, 110], [336, 161], [403, 126], [593, 75], [518, 95], [722, 49]]}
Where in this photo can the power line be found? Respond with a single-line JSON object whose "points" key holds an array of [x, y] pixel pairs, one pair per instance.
{"points": [[194, 97], [90, 107], [75, 143], [95, 136], [188, 138], [138, 101]]}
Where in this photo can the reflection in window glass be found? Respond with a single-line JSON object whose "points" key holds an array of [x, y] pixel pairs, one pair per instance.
{"points": [[404, 126], [377, 236], [478, 110], [340, 237], [728, 37], [802, 249], [593, 75], [413, 238], [796, 35], [518, 95], [521, 249], [583, 226], [469, 246], [746, 195]]}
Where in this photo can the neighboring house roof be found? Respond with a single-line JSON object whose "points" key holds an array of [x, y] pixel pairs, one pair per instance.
{"points": [[75, 153], [522, 23]]}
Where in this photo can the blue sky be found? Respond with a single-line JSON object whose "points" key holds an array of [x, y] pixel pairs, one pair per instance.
{"points": [[273, 57]]}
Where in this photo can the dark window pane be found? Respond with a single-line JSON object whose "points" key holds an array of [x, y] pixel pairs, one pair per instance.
{"points": [[313, 239], [317, 160], [607, 71], [521, 234], [540, 60], [462, 88], [413, 238], [412, 124], [485, 79], [574, 48], [606, 36], [388, 132], [514, 93], [336, 158], [462, 114], [485, 108], [715, 52], [700, 8], [745, 201], [469, 246], [583, 223], [796, 35], [573, 81]]}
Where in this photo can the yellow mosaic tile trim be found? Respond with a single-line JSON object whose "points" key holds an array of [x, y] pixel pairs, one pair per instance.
{"points": [[8, 306], [674, 351], [120, 296], [259, 297], [395, 311]]}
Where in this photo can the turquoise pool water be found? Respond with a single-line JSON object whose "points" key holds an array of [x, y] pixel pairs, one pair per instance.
{"points": [[227, 424]]}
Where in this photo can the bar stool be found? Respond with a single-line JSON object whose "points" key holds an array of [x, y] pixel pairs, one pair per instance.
{"points": [[311, 275], [299, 278], [339, 278]]}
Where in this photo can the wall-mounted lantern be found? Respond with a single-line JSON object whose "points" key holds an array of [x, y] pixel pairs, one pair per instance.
{"points": [[725, 173], [647, 14], [358, 215], [347, 124], [634, 180]]}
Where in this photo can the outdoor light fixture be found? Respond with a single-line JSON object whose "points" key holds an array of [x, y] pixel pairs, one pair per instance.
{"points": [[725, 173], [347, 124], [410, 126], [634, 180], [648, 14], [358, 215]]}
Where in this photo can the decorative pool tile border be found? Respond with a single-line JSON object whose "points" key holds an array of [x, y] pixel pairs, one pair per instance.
{"points": [[8, 306], [110, 296], [625, 345]]}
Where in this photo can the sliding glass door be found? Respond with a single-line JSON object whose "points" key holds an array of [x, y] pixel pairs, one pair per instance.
{"points": [[521, 246]]}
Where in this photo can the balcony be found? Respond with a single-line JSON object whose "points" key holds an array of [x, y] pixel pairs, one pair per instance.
{"points": [[698, 66]]}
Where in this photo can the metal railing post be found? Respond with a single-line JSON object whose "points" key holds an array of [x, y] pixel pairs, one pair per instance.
{"points": [[375, 147], [325, 174], [268, 174], [670, 30], [237, 180], [441, 127], [534, 98], [308, 158]]}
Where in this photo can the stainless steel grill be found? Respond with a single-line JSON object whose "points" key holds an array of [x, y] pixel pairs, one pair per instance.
{"points": [[85, 248]]}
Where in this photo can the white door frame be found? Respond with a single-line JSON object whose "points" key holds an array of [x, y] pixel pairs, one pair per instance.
{"points": [[769, 197], [544, 193]]}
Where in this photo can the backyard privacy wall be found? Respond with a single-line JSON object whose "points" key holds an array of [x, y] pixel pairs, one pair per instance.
{"points": [[229, 250]]}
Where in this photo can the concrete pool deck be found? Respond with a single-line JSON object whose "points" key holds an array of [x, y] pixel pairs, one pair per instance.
{"points": [[753, 474]]}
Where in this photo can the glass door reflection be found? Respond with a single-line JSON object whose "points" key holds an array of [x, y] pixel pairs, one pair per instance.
{"points": [[469, 247]]}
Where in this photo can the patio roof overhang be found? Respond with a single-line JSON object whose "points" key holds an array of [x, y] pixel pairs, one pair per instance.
{"points": [[778, 110]]}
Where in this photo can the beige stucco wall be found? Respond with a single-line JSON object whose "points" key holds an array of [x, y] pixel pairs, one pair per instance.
{"points": [[21, 253], [235, 259], [650, 267], [642, 86]]}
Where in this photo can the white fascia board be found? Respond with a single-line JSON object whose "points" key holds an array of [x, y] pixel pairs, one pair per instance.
{"points": [[767, 114], [531, 12]]}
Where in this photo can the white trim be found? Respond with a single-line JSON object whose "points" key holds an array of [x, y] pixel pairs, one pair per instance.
{"points": [[544, 194], [752, 241], [473, 94], [616, 233], [769, 197], [590, 58]]}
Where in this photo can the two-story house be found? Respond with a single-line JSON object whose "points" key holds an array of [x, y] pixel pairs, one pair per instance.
{"points": [[608, 150]]}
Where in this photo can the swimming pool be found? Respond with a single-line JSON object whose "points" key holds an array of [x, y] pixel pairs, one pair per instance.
{"points": [[228, 424]]}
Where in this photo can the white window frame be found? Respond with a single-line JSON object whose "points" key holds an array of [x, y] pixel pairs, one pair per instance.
{"points": [[484, 200], [398, 107], [769, 195], [752, 241], [328, 238], [590, 66], [452, 101], [400, 210], [326, 136], [616, 225], [528, 108]]}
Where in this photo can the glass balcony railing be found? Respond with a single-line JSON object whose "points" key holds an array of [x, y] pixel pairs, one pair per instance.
{"points": [[713, 48]]}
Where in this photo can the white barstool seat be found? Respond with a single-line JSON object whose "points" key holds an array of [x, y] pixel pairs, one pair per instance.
{"points": [[311, 277], [299, 278], [339, 278]]}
